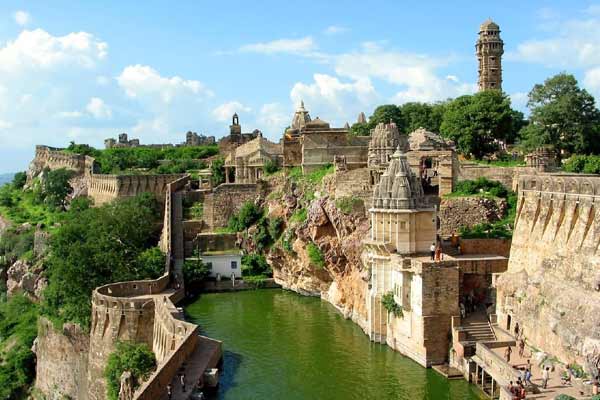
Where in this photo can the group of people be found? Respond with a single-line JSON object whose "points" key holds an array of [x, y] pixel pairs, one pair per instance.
{"points": [[436, 252], [182, 381]]}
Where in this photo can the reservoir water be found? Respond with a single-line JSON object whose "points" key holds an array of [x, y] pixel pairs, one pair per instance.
{"points": [[280, 345]]}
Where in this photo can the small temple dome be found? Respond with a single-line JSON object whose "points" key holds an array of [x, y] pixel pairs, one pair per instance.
{"points": [[301, 117], [317, 123], [399, 188]]}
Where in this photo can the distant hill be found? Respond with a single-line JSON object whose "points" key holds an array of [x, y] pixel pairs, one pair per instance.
{"points": [[6, 178]]}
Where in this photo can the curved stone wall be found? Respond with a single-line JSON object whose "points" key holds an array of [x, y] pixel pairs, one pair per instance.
{"points": [[105, 188]]}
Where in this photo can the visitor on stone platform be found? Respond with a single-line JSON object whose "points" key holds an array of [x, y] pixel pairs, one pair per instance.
{"points": [[432, 250], [528, 376], [507, 354], [522, 392], [169, 391], [463, 312], [521, 347], [438, 252], [517, 330], [182, 380], [545, 377]]}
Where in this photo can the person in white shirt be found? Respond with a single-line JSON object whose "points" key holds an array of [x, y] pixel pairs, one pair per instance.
{"points": [[545, 377], [432, 250]]}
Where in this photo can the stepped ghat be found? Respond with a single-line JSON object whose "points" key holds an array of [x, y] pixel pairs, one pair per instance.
{"points": [[145, 312]]}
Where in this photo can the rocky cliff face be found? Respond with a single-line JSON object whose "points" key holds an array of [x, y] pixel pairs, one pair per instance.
{"points": [[26, 278], [62, 357], [343, 280]]}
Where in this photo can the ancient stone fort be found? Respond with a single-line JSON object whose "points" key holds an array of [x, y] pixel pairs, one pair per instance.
{"points": [[546, 279]]}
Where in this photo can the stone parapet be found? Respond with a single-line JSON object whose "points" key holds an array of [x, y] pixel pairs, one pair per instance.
{"points": [[105, 188]]}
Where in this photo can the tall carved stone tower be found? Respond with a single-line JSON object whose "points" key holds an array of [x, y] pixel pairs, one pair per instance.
{"points": [[489, 49]]}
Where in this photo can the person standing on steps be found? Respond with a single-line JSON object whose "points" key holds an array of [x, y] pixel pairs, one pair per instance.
{"points": [[521, 347], [507, 354], [545, 377], [517, 330], [182, 380], [432, 250]]}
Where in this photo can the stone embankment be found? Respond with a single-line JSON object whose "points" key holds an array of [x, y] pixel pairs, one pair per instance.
{"points": [[552, 286]]}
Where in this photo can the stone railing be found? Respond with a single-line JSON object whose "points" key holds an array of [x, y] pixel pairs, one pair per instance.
{"points": [[567, 185], [501, 371]]}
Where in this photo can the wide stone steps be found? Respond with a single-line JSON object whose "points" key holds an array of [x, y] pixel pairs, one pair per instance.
{"points": [[479, 331]]}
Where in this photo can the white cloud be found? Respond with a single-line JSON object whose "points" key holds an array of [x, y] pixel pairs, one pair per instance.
{"points": [[143, 81], [292, 46], [22, 18], [225, 111], [273, 118], [416, 74], [330, 98], [5, 125], [98, 108], [39, 49], [335, 29]]}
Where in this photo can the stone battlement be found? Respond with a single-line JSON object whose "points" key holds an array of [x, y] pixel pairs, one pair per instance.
{"points": [[105, 188]]}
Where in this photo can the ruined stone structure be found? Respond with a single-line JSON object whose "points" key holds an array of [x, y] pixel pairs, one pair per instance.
{"points": [[313, 144], [403, 228], [552, 287], [489, 49], [122, 141], [194, 139], [226, 199], [52, 158], [543, 159], [236, 137], [246, 163]]}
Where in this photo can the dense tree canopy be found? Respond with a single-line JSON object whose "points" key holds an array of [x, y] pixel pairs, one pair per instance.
{"points": [[562, 115], [422, 115], [385, 114], [97, 246], [475, 121], [136, 358], [56, 187]]}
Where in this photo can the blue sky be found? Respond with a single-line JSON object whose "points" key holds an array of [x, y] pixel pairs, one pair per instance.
{"points": [[85, 71]]}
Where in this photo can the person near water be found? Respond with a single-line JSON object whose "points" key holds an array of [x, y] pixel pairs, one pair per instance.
{"points": [[182, 380], [432, 250]]}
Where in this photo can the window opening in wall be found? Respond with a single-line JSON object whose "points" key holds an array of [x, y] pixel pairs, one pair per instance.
{"points": [[234, 265], [209, 265]]}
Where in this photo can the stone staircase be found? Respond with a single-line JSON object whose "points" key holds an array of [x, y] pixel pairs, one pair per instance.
{"points": [[478, 330]]}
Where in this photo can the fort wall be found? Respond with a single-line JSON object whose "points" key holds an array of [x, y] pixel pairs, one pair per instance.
{"points": [[508, 176], [225, 200], [105, 188], [552, 286]]}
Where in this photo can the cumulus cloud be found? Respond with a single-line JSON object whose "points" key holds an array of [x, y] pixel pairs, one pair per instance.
{"points": [[98, 108], [273, 118], [39, 49], [22, 18], [330, 97], [142, 81], [225, 111], [292, 46]]}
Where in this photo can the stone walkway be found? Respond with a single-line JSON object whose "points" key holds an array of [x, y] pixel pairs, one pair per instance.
{"points": [[207, 355], [554, 383]]}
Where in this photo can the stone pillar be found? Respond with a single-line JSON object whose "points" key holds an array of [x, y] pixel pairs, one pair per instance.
{"points": [[226, 174]]}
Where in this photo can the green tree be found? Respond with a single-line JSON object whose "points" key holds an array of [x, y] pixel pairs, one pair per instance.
{"points": [[136, 358], [19, 180], [97, 246], [360, 129], [151, 262], [255, 264], [387, 113], [563, 115], [194, 272], [56, 187], [423, 115], [247, 216], [474, 121], [217, 170]]}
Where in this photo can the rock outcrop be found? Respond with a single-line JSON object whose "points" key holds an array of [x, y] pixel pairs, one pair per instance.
{"points": [[456, 212], [26, 278], [62, 357]]}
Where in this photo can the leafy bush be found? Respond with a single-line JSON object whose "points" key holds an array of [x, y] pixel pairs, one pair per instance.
{"points": [[18, 329], [286, 242], [197, 210], [275, 227], [217, 171], [583, 164], [299, 216], [247, 216], [14, 245], [136, 358], [151, 262], [270, 167], [194, 271], [256, 281], [255, 264], [56, 188], [388, 302], [97, 246], [564, 397], [485, 231], [478, 186], [315, 255]]}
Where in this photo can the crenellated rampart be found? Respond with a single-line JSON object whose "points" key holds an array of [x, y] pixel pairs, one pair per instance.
{"points": [[105, 188], [552, 286]]}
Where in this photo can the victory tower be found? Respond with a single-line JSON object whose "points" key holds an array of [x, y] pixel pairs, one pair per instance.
{"points": [[489, 49]]}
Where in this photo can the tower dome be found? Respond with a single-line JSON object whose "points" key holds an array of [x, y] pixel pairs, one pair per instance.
{"points": [[385, 139]]}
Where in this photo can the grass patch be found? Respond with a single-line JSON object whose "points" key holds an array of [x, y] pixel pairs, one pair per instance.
{"points": [[315, 255], [256, 281], [299, 216], [501, 163], [348, 204]]}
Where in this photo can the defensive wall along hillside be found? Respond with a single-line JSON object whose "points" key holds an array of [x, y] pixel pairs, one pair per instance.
{"points": [[552, 286]]}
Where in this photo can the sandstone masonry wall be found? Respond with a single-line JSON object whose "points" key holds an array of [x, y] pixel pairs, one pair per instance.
{"points": [[508, 176], [552, 286], [105, 188], [225, 200], [456, 212]]}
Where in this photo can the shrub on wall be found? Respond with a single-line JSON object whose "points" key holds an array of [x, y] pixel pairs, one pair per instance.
{"points": [[270, 167], [315, 255], [256, 265], [390, 304], [194, 272], [247, 216], [136, 358]]}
